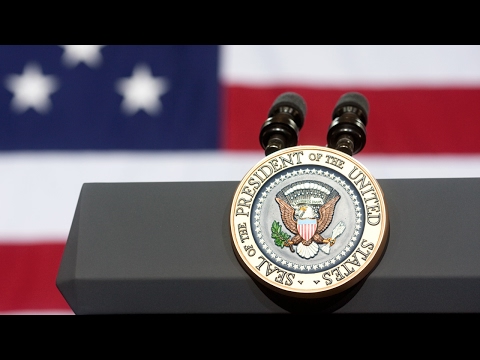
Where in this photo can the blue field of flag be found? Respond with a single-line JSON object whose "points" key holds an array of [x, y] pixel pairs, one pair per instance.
{"points": [[114, 97]]}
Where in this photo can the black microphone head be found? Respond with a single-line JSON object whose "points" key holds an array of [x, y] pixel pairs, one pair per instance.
{"points": [[352, 102], [285, 119], [348, 132], [292, 103]]}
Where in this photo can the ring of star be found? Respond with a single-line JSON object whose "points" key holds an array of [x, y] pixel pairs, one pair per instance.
{"points": [[265, 248]]}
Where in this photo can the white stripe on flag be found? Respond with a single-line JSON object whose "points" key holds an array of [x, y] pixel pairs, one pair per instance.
{"points": [[39, 191], [349, 65]]}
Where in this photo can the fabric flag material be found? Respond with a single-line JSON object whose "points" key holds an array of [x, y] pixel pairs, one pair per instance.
{"points": [[73, 114]]}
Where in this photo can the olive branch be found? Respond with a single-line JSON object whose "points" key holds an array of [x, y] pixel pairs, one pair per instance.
{"points": [[278, 235]]}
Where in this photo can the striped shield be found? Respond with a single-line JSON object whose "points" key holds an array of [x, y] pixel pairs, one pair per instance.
{"points": [[306, 228]]}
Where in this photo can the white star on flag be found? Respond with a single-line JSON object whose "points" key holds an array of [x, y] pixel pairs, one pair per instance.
{"points": [[32, 89], [75, 54], [142, 91]]}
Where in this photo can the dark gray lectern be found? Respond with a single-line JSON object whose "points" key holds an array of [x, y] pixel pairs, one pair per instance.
{"points": [[157, 248]]}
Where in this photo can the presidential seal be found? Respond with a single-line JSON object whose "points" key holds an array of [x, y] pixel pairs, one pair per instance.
{"points": [[308, 221]]}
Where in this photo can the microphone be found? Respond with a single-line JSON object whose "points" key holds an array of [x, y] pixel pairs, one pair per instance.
{"points": [[285, 119], [347, 132]]}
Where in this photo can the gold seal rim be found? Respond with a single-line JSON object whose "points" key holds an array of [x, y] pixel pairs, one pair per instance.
{"points": [[362, 272]]}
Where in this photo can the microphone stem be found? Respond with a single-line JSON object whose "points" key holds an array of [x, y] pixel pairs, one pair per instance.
{"points": [[345, 144], [275, 143]]}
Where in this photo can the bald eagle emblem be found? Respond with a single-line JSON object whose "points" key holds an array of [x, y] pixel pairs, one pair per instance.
{"points": [[307, 209]]}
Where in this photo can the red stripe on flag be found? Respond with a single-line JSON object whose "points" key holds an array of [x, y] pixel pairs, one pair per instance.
{"points": [[403, 120], [28, 275]]}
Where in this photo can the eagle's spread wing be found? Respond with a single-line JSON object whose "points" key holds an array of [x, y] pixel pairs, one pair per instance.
{"points": [[326, 215], [287, 215]]}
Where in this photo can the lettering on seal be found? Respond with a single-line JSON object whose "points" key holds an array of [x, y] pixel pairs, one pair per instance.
{"points": [[369, 195]]}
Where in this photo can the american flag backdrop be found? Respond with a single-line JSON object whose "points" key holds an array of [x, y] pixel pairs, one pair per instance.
{"points": [[74, 114]]}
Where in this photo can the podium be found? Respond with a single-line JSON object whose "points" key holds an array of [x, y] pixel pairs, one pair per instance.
{"points": [[165, 248]]}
